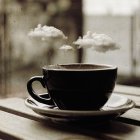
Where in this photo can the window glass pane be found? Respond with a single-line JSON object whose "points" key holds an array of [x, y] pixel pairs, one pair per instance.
{"points": [[119, 19]]}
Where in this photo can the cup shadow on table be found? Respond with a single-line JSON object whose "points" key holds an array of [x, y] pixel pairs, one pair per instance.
{"points": [[112, 130]]}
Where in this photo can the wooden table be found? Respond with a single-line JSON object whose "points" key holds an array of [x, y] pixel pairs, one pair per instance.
{"points": [[19, 122]]}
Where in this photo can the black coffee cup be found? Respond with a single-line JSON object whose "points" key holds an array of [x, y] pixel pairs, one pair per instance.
{"points": [[76, 86]]}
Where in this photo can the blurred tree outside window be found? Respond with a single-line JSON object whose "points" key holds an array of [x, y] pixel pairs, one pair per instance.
{"points": [[21, 57]]}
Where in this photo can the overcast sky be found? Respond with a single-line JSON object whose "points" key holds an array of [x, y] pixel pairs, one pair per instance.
{"points": [[117, 7]]}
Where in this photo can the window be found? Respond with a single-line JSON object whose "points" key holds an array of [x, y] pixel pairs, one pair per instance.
{"points": [[22, 58], [121, 20]]}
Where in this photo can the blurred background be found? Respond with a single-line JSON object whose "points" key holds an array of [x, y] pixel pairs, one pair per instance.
{"points": [[21, 58]]}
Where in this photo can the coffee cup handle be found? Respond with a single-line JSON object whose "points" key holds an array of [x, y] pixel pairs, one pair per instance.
{"points": [[35, 96]]}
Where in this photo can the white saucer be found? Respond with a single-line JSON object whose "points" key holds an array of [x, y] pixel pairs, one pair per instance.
{"points": [[115, 106]]}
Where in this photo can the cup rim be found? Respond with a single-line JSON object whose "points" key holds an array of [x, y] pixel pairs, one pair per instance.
{"points": [[53, 68]]}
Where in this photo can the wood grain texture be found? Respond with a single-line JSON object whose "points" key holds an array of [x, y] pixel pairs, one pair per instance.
{"points": [[19, 122], [22, 128], [128, 90]]}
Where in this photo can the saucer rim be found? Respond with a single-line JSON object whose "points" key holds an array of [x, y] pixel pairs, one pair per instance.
{"points": [[81, 113]]}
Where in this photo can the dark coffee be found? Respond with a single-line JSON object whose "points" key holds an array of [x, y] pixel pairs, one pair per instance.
{"points": [[76, 67], [77, 86]]}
